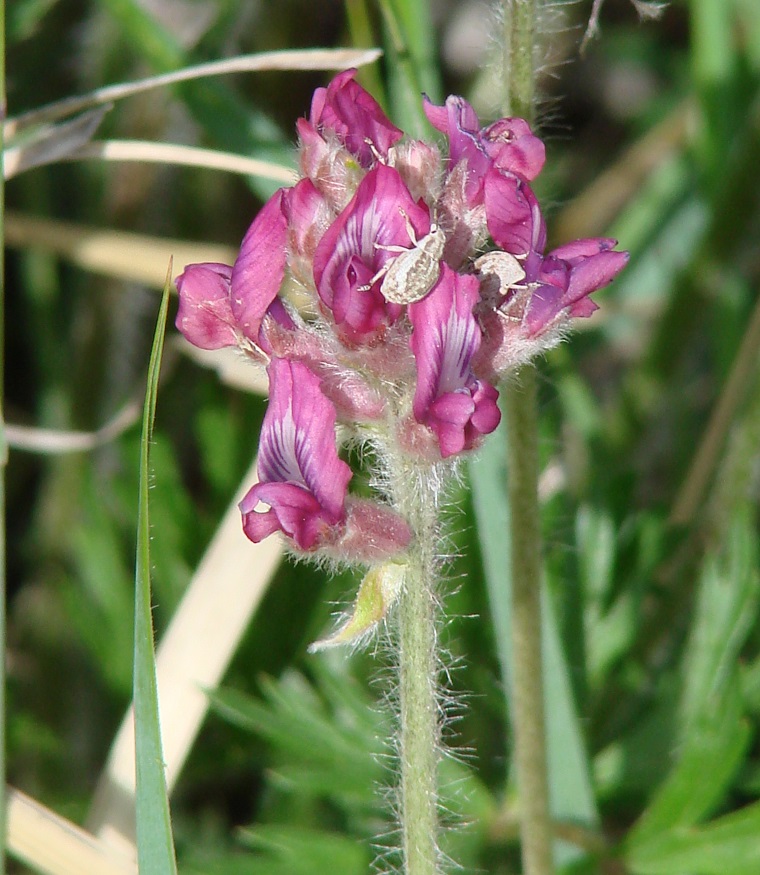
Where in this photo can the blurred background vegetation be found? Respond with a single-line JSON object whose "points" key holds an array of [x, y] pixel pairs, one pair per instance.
{"points": [[650, 443]]}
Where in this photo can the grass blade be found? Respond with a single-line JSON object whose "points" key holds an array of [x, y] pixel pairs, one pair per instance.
{"points": [[301, 59], [3, 459], [569, 773], [155, 849]]}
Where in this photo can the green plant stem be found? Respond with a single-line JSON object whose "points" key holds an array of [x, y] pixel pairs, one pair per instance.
{"points": [[419, 729], [521, 405], [528, 695], [3, 453]]}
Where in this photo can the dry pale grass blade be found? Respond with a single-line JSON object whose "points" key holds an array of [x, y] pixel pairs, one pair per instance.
{"points": [[591, 213], [232, 367], [50, 844], [52, 143], [291, 59], [187, 156], [118, 254], [50, 441], [193, 655]]}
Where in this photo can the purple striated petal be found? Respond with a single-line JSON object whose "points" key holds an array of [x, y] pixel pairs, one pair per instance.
{"points": [[301, 477], [298, 437], [459, 121], [260, 266], [508, 145], [205, 315], [350, 253], [445, 337], [356, 117]]}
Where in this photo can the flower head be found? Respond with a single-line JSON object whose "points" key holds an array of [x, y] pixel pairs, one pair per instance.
{"points": [[366, 287]]}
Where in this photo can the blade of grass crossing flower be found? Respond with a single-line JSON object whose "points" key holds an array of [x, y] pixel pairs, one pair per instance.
{"points": [[569, 770], [417, 23], [155, 848], [283, 59], [3, 458], [411, 68], [360, 28]]}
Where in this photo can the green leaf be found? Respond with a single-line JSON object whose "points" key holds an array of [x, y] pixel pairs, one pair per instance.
{"points": [[341, 756], [726, 610], [155, 848], [569, 773], [710, 759], [728, 846], [410, 47], [301, 851]]}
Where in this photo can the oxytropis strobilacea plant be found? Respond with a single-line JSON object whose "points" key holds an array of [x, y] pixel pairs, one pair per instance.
{"points": [[387, 292]]}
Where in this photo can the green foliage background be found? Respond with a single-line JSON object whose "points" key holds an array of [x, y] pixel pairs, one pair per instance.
{"points": [[653, 137]]}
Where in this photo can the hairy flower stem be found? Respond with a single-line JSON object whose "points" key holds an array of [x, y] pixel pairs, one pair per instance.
{"points": [[519, 17], [419, 729]]}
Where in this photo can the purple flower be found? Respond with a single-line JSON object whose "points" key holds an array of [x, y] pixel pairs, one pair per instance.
{"points": [[449, 399], [354, 116], [301, 477], [508, 144], [567, 276], [351, 253], [205, 313], [260, 266], [513, 216], [307, 216]]}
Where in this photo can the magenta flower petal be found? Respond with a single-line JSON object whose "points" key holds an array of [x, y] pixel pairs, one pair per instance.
{"points": [[205, 315], [584, 248], [514, 148], [545, 303], [446, 336], [567, 276], [438, 116], [355, 116], [301, 477], [594, 273], [507, 145], [260, 266], [293, 510], [306, 215], [350, 253], [512, 213]]}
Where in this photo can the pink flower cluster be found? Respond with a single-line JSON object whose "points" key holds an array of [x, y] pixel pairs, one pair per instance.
{"points": [[368, 290]]}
